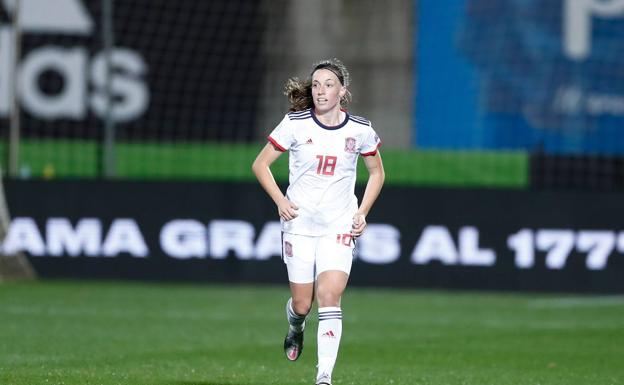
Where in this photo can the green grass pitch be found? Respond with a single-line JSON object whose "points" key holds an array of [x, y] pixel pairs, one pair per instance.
{"points": [[92, 333]]}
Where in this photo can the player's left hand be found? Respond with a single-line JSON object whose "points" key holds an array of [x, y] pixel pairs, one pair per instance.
{"points": [[359, 223]]}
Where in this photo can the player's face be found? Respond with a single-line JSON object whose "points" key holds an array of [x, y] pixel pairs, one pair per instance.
{"points": [[326, 90]]}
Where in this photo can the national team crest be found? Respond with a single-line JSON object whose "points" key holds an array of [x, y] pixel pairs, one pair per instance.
{"points": [[350, 145], [288, 249]]}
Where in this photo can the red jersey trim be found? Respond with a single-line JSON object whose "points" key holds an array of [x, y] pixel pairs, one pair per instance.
{"points": [[274, 142], [372, 152]]}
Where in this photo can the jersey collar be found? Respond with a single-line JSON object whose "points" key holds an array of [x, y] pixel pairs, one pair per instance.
{"points": [[346, 119]]}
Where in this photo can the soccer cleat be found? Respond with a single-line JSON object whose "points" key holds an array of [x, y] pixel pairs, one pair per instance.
{"points": [[324, 379], [293, 344]]}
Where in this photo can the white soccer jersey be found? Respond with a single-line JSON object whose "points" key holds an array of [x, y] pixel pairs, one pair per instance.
{"points": [[322, 163]]}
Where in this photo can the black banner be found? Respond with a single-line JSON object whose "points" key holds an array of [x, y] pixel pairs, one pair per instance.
{"points": [[228, 232], [578, 172], [179, 72]]}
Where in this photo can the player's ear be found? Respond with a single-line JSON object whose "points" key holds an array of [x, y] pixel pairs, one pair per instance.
{"points": [[343, 91]]}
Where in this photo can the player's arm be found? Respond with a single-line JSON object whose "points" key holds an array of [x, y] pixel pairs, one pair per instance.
{"points": [[261, 167], [376, 177]]}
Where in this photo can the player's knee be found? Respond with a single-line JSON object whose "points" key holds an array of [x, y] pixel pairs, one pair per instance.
{"points": [[328, 298], [301, 306]]}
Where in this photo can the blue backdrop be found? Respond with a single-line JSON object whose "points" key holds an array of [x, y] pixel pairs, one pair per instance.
{"points": [[520, 74]]}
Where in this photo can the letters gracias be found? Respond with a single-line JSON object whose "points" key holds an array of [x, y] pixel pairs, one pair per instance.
{"points": [[185, 239], [220, 238]]}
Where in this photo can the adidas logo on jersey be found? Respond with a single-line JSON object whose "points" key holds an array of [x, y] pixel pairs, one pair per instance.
{"points": [[309, 141]]}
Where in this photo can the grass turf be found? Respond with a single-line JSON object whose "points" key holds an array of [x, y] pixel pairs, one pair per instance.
{"points": [[67, 332]]}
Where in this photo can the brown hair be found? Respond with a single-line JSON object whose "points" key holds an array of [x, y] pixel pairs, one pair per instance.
{"points": [[299, 92]]}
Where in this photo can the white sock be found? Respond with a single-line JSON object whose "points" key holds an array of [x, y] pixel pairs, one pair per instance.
{"points": [[328, 337], [296, 321]]}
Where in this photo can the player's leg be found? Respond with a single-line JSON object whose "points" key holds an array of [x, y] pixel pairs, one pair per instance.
{"points": [[297, 308], [330, 286], [299, 304], [299, 258], [333, 267]]}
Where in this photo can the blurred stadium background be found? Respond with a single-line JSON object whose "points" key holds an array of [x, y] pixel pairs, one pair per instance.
{"points": [[129, 127], [513, 94], [198, 85]]}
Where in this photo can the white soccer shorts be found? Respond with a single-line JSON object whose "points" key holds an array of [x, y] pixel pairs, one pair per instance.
{"points": [[307, 256]]}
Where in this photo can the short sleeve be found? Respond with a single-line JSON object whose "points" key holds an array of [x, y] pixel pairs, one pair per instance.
{"points": [[282, 136], [371, 143]]}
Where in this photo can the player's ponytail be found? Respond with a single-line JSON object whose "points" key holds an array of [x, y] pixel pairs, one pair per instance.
{"points": [[299, 94]]}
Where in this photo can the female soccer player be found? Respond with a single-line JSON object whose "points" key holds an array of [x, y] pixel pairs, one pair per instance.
{"points": [[319, 214]]}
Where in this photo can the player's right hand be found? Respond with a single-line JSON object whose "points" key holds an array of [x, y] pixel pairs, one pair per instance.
{"points": [[287, 210]]}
